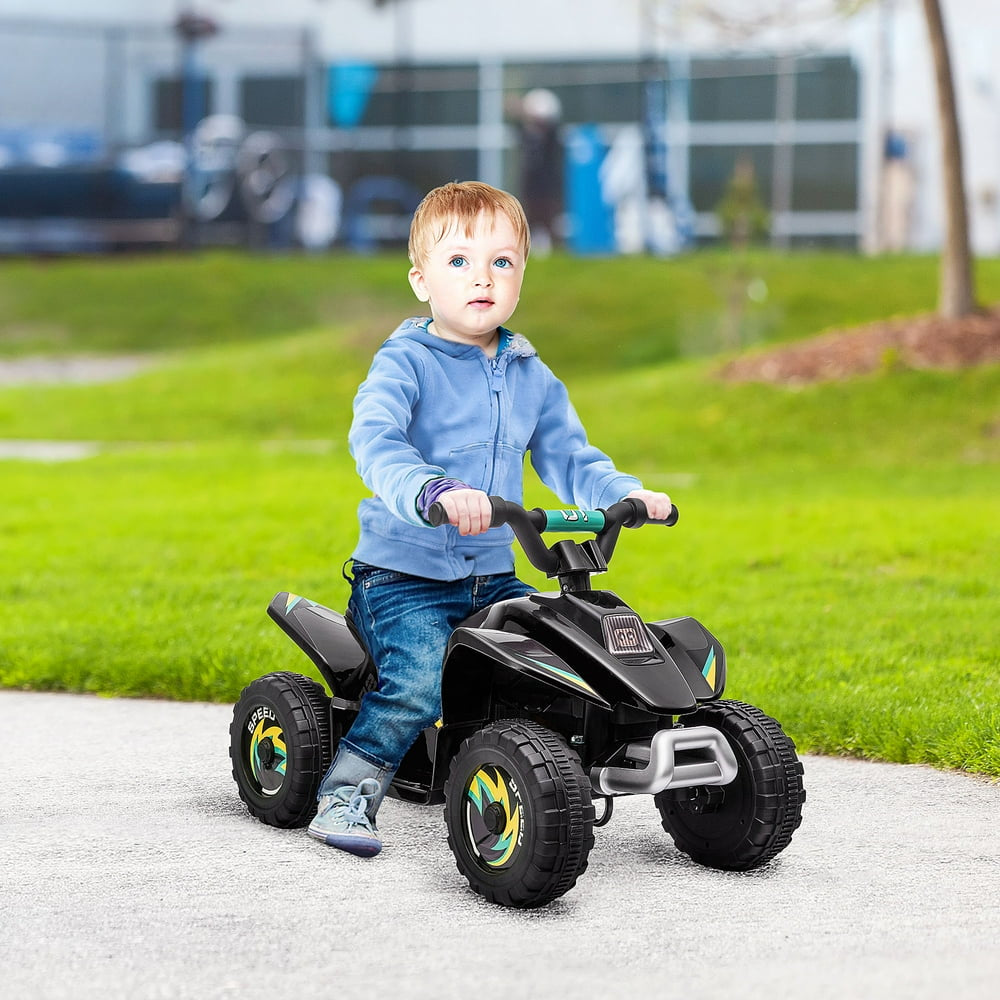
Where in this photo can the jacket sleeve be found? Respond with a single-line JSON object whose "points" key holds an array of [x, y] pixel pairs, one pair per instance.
{"points": [[388, 463], [575, 470]]}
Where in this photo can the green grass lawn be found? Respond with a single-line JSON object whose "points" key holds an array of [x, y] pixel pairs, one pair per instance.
{"points": [[841, 540]]}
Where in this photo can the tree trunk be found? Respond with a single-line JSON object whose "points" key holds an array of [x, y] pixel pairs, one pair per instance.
{"points": [[956, 295]]}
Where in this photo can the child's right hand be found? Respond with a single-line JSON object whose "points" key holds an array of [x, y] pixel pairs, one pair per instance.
{"points": [[469, 510]]}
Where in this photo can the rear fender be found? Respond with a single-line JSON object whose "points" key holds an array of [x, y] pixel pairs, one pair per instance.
{"points": [[698, 655], [325, 636], [481, 660]]}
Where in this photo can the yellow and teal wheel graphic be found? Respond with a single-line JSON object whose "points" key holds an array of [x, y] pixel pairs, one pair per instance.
{"points": [[493, 816], [267, 754]]}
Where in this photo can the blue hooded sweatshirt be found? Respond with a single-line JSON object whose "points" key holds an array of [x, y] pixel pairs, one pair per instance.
{"points": [[431, 407]]}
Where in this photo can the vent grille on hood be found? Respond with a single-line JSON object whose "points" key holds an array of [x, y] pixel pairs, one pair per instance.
{"points": [[625, 635]]}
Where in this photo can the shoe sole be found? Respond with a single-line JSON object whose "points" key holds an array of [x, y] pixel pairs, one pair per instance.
{"points": [[358, 846]]}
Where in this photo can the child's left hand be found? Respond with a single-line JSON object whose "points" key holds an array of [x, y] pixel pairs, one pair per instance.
{"points": [[658, 505]]}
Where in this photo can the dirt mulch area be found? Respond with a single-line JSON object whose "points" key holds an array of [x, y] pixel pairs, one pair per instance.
{"points": [[918, 342]]}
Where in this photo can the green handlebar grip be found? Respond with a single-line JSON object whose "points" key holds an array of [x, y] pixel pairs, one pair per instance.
{"points": [[574, 520]]}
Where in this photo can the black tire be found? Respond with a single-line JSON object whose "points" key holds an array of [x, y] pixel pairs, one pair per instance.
{"points": [[742, 825], [281, 745], [519, 814]]}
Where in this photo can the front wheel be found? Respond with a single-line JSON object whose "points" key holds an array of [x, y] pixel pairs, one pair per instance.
{"points": [[742, 825], [519, 814], [281, 746]]}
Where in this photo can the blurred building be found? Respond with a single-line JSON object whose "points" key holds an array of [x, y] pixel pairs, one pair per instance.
{"points": [[327, 119]]}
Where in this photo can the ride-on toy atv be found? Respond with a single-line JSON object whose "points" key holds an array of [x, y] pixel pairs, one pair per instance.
{"points": [[548, 702]]}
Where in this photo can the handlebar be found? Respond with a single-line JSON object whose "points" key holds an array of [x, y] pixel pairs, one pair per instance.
{"points": [[529, 525], [627, 513]]}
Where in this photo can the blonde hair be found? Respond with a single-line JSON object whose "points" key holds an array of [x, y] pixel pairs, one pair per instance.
{"points": [[460, 203]]}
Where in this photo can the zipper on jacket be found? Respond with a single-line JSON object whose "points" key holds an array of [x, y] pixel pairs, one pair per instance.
{"points": [[496, 371]]}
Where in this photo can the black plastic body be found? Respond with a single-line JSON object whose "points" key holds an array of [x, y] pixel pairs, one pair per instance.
{"points": [[579, 661]]}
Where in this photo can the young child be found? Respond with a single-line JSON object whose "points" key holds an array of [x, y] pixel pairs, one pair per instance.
{"points": [[451, 405]]}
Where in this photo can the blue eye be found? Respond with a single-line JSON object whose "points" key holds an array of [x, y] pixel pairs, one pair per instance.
{"points": [[502, 262], [457, 262]]}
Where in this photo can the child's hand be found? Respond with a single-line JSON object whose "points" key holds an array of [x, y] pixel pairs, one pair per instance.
{"points": [[469, 510], [658, 505]]}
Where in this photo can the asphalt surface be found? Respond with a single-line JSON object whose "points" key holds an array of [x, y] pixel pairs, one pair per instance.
{"points": [[131, 869]]}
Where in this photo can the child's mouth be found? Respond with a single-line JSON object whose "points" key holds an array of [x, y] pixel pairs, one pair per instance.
{"points": [[481, 303]]}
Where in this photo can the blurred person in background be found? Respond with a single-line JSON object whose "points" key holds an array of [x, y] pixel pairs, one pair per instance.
{"points": [[538, 114]]}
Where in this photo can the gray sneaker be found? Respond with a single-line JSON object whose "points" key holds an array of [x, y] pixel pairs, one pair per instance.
{"points": [[341, 820]]}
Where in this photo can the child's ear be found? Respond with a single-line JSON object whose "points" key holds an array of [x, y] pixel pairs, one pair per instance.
{"points": [[418, 285]]}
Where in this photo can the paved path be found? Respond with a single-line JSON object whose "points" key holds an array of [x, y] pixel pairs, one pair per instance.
{"points": [[131, 870], [70, 369]]}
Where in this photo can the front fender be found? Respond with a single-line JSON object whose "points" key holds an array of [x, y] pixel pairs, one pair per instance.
{"points": [[698, 655], [481, 660]]}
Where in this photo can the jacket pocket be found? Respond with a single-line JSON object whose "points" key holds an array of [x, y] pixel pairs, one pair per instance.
{"points": [[495, 467]]}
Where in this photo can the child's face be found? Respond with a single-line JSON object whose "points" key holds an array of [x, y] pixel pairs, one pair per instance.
{"points": [[472, 282]]}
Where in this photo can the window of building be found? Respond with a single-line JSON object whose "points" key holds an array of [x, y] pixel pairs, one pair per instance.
{"points": [[424, 95], [826, 88], [168, 103], [272, 101], [825, 178], [731, 90]]}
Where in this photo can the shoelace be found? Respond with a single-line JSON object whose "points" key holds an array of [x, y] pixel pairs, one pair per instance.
{"points": [[355, 813]]}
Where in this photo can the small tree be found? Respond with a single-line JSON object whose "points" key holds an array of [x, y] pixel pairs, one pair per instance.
{"points": [[742, 214]]}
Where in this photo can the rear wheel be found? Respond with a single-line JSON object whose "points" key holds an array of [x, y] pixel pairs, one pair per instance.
{"points": [[742, 825], [280, 743], [519, 814]]}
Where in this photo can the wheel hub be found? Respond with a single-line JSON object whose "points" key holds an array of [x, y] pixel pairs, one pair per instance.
{"points": [[495, 818], [704, 799], [265, 753]]}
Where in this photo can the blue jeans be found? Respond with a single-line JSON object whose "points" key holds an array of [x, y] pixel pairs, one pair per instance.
{"points": [[405, 622]]}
